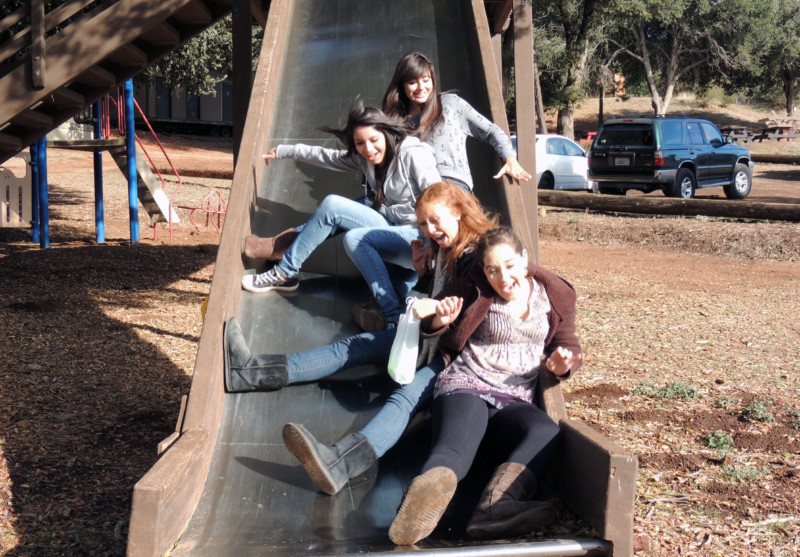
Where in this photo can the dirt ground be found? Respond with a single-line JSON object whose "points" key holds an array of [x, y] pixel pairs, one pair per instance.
{"points": [[688, 325]]}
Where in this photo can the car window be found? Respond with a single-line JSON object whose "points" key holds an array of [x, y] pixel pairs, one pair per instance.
{"points": [[626, 134], [554, 147], [671, 132], [695, 135], [571, 149], [711, 132]]}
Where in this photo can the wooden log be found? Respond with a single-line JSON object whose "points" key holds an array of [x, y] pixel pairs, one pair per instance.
{"points": [[671, 206], [776, 158]]}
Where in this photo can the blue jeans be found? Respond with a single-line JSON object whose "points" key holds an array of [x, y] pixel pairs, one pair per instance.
{"points": [[336, 214], [386, 427], [383, 255], [358, 350]]}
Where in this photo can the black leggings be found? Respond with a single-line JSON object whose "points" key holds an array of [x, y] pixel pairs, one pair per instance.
{"points": [[520, 432]]}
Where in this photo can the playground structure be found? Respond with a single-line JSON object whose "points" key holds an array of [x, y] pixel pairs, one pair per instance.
{"points": [[224, 484]]}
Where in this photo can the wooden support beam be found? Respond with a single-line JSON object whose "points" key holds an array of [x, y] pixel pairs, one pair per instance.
{"points": [[37, 44], [525, 102], [672, 206]]}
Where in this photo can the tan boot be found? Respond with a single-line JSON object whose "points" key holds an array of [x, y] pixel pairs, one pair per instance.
{"points": [[505, 509], [423, 505], [369, 316], [271, 249]]}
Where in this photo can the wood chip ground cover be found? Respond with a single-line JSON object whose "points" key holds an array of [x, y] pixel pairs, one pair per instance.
{"points": [[688, 325]]}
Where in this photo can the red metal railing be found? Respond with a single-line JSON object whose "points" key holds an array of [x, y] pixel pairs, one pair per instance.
{"points": [[105, 109]]}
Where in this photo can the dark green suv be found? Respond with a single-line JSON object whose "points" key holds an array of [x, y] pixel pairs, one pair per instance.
{"points": [[671, 153]]}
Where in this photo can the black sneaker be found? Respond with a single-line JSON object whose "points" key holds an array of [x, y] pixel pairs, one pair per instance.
{"points": [[268, 280]]}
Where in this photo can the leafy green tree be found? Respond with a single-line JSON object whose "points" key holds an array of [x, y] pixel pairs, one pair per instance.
{"points": [[203, 61], [672, 41], [767, 47]]}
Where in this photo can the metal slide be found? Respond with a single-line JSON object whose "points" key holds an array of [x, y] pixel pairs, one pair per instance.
{"points": [[257, 500]]}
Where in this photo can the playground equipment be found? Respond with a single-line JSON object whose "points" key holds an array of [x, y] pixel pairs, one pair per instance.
{"points": [[226, 484]]}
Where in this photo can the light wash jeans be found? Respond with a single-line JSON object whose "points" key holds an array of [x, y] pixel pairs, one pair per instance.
{"points": [[383, 255], [358, 350], [386, 427], [336, 214]]}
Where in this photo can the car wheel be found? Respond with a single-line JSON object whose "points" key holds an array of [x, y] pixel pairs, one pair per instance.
{"points": [[684, 184], [742, 182], [546, 182], [595, 187]]}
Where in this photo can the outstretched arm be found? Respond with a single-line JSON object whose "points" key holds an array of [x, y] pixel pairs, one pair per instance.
{"points": [[514, 170]]}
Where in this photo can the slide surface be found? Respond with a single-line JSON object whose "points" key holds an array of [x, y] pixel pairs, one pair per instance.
{"points": [[257, 499]]}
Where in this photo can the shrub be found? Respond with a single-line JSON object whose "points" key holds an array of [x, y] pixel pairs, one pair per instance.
{"points": [[742, 474], [714, 96], [719, 441], [726, 402], [756, 411], [677, 390], [644, 389]]}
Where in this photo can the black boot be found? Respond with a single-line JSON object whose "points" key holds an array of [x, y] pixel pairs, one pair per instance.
{"points": [[506, 510], [247, 372], [329, 467]]}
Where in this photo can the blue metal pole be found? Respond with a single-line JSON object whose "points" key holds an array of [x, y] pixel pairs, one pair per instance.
{"points": [[44, 208], [130, 146], [99, 222], [35, 193]]}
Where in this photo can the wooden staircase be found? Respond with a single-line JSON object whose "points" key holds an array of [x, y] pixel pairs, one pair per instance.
{"points": [[57, 57]]}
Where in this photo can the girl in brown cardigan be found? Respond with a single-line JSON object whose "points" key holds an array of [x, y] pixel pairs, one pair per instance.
{"points": [[501, 327]]}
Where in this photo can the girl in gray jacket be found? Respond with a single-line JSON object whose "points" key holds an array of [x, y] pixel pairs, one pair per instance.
{"points": [[396, 168]]}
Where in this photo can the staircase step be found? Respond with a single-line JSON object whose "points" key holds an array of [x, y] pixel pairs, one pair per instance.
{"points": [[129, 55], [33, 119], [97, 77], [65, 97], [162, 34], [94, 145], [193, 13], [10, 142]]}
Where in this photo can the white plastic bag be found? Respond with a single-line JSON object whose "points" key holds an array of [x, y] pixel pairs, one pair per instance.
{"points": [[403, 357]]}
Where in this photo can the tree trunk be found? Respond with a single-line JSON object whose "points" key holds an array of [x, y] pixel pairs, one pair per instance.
{"points": [[791, 87], [540, 114], [670, 206], [600, 104], [566, 121]]}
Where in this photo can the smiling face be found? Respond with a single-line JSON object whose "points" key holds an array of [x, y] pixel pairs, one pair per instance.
{"points": [[418, 90], [370, 144], [506, 270], [438, 222]]}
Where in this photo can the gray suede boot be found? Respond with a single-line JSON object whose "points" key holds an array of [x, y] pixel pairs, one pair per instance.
{"points": [[245, 371], [505, 509], [329, 467]]}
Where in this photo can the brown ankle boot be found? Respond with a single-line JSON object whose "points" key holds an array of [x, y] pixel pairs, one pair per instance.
{"points": [[505, 509], [271, 249], [423, 504]]}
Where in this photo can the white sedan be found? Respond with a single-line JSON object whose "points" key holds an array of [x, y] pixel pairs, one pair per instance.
{"points": [[561, 163]]}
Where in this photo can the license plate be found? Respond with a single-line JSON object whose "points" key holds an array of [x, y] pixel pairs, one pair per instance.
{"points": [[622, 161]]}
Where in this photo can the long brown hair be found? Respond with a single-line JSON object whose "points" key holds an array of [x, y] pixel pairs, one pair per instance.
{"points": [[395, 102], [394, 129], [474, 219]]}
